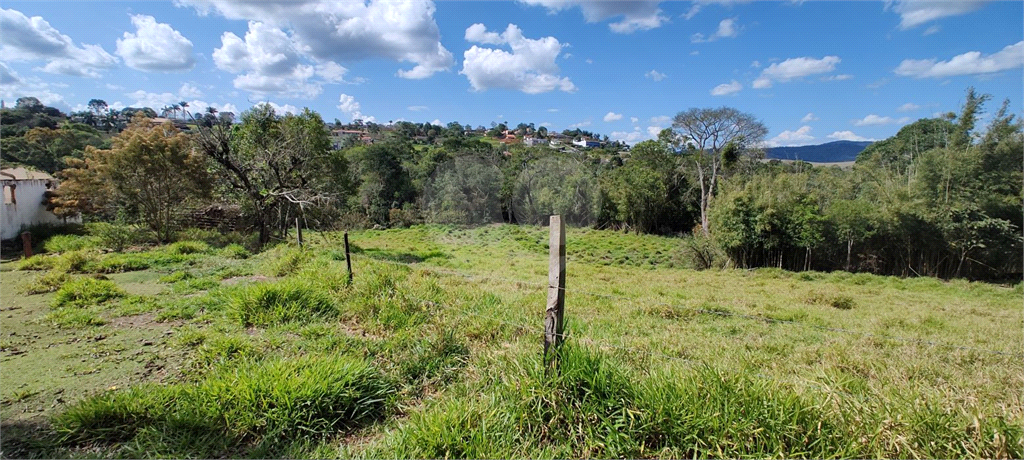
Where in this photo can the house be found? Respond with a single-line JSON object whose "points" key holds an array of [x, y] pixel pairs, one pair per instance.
{"points": [[25, 201], [588, 143], [532, 141]]}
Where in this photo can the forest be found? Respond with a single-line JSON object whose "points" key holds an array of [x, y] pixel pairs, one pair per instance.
{"points": [[942, 197]]}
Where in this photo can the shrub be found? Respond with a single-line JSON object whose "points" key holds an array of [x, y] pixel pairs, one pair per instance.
{"points": [[701, 253], [83, 292], [284, 260], [118, 236], [48, 282]]}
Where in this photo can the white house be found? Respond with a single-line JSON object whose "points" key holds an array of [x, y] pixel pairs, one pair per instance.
{"points": [[25, 203]]}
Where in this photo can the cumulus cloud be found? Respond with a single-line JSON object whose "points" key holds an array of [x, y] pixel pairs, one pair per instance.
{"points": [[529, 68], [661, 119], [653, 131], [268, 61], [282, 109], [969, 63], [34, 39], [633, 119], [612, 116], [808, 118], [802, 136], [655, 75], [629, 137], [795, 68], [13, 86], [916, 12], [155, 47], [874, 120], [847, 136], [908, 107], [580, 124], [694, 9], [345, 31], [727, 28], [189, 91], [636, 14], [726, 89], [349, 106]]}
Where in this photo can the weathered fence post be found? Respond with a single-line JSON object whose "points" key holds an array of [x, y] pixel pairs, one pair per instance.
{"points": [[298, 232], [26, 241], [348, 259], [554, 314]]}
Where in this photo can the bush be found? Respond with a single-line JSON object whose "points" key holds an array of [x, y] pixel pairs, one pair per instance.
{"points": [[701, 253], [118, 236], [284, 260], [84, 292], [188, 247], [266, 304], [48, 282]]}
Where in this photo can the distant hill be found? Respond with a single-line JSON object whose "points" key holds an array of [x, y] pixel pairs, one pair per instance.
{"points": [[832, 152]]}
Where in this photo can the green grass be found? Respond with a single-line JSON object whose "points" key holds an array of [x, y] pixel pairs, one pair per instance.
{"points": [[661, 360], [86, 292]]}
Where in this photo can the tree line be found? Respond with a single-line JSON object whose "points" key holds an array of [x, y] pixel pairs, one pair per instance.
{"points": [[940, 198]]}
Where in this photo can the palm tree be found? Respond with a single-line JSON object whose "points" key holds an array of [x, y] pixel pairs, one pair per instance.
{"points": [[183, 105]]}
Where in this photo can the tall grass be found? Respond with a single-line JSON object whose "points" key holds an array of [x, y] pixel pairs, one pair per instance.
{"points": [[267, 304], [85, 292], [259, 406]]}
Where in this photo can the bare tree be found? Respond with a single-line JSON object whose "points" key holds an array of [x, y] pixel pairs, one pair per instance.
{"points": [[705, 134]]}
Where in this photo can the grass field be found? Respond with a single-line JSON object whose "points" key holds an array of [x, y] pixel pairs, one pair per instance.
{"points": [[435, 351]]}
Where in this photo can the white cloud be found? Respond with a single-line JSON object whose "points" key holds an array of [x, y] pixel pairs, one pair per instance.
{"points": [[529, 68], [726, 89], [189, 91], [580, 124], [634, 119], [155, 101], [199, 107], [629, 137], [113, 87], [269, 63], [418, 108], [694, 53], [283, 109], [755, 64], [916, 12], [691, 12], [345, 31], [847, 136], [727, 28], [808, 118], [437, 122], [349, 106], [590, 61], [331, 72], [969, 63], [612, 116], [636, 14], [795, 68], [931, 30], [155, 47], [655, 75], [840, 77], [802, 136], [33, 39], [653, 131], [874, 120], [552, 110], [13, 86], [661, 119], [908, 107]]}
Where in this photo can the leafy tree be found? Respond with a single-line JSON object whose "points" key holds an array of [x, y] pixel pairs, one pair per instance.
{"points": [[150, 168], [706, 132], [383, 183]]}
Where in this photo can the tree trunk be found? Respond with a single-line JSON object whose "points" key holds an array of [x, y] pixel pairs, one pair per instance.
{"points": [[849, 250]]}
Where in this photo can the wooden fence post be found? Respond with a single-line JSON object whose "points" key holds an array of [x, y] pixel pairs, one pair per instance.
{"points": [[554, 314], [348, 259], [298, 232], [26, 242]]}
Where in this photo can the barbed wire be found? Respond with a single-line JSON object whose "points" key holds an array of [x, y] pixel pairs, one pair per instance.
{"points": [[698, 310]]}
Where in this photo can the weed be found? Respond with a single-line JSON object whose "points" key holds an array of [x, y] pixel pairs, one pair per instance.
{"points": [[84, 292], [235, 251], [47, 282], [67, 243], [438, 358], [176, 276], [839, 301], [188, 247], [137, 304], [284, 260], [73, 318]]}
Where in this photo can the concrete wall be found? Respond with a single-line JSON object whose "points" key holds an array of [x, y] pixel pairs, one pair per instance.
{"points": [[25, 208]]}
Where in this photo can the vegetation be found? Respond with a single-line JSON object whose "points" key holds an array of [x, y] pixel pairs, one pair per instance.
{"points": [[432, 351]]}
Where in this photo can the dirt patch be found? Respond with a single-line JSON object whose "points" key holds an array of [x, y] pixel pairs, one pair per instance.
{"points": [[144, 321]]}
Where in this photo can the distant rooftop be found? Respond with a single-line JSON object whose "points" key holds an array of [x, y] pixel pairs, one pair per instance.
{"points": [[23, 174]]}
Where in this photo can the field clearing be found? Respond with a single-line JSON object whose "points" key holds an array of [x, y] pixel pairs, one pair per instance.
{"points": [[662, 361]]}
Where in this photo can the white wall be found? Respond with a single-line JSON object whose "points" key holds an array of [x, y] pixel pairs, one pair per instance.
{"points": [[27, 208]]}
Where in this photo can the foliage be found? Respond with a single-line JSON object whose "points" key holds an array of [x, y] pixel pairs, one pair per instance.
{"points": [[85, 292]]}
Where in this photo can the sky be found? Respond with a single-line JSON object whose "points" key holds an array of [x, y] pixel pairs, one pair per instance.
{"points": [[811, 71]]}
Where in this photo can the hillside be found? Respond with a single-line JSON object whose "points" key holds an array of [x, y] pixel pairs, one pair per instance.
{"points": [[832, 152]]}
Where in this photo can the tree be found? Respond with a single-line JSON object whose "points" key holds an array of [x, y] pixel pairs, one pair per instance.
{"points": [[706, 132], [274, 165], [150, 168], [98, 107]]}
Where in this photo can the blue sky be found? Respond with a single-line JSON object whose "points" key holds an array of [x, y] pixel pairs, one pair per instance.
{"points": [[813, 72]]}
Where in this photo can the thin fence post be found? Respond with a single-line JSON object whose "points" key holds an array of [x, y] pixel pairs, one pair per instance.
{"points": [[348, 259], [554, 314], [298, 232]]}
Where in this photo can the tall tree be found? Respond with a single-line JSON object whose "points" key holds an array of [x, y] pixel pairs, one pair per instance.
{"points": [[705, 133]]}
